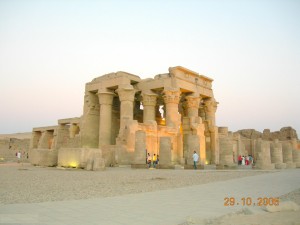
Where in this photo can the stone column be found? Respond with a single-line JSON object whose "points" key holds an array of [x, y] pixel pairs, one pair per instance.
{"points": [[73, 130], [46, 140], [90, 121], [105, 101], [195, 141], [192, 105], [149, 103], [287, 153], [171, 99], [126, 96], [210, 107], [276, 154], [263, 155], [35, 138]]}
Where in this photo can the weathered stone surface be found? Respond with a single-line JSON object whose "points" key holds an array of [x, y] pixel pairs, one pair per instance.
{"points": [[250, 133], [139, 157], [226, 152], [171, 115], [287, 151], [165, 155], [43, 157], [276, 155], [262, 155]]}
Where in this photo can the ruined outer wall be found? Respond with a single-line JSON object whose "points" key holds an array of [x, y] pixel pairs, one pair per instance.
{"points": [[12, 143]]}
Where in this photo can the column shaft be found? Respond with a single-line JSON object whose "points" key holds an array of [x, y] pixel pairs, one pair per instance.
{"points": [[172, 98], [149, 103], [105, 100], [126, 96]]}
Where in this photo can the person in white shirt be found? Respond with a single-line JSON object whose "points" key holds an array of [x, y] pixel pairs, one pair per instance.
{"points": [[195, 158], [19, 156]]}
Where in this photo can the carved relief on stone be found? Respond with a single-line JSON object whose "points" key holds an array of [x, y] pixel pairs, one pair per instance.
{"points": [[192, 102], [171, 96], [210, 105], [91, 101]]}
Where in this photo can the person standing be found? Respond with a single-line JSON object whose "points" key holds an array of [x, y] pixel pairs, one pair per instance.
{"points": [[240, 160], [154, 160], [195, 158], [149, 160], [19, 156]]}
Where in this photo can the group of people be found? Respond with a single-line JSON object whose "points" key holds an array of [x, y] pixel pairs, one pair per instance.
{"points": [[19, 155], [152, 160], [245, 160]]}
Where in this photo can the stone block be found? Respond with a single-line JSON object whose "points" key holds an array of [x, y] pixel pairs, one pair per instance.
{"points": [[43, 157], [290, 165], [165, 156], [139, 155], [99, 164], [89, 164], [280, 165]]}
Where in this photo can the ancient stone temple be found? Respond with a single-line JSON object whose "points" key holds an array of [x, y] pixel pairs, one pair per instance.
{"points": [[171, 115], [124, 116]]}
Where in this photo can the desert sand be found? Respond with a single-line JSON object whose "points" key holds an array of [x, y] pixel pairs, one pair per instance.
{"points": [[23, 183]]}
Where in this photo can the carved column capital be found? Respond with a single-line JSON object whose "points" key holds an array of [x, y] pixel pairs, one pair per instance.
{"points": [[192, 102], [171, 96], [149, 99], [210, 105], [126, 93], [105, 98]]}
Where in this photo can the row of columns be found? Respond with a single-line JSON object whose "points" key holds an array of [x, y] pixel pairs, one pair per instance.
{"points": [[126, 95], [171, 99]]}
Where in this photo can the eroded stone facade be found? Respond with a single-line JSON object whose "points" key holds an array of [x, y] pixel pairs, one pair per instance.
{"points": [[171, 115]]}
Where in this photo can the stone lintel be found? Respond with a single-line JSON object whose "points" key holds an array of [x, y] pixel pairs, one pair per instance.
{"points": [[74, 120], [42, 129]]}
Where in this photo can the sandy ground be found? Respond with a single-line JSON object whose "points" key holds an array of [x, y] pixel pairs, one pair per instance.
{"points": [[287, 214], [28, 184]]}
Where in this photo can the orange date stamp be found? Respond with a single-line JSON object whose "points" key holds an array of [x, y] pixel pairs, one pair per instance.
{"points": [[248, 201]]}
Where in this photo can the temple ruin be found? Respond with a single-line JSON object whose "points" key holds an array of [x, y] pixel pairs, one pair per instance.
{"points": [[171, 115]]}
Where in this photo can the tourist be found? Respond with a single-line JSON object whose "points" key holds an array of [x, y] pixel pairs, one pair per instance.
{"points": [[247, 160], [243, 161], [149, 160], [19, 156], [154, 159], [240, 160], [195, 158], [250, 159]]}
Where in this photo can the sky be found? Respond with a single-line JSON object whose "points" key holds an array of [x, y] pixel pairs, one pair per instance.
{"points": [[50, 49]]}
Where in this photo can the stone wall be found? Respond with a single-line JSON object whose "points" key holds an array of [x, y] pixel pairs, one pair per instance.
{"points": [[43, 157], [10, 146]]}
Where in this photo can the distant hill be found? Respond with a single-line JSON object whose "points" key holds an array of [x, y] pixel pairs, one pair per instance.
{"points": [[26, 135]]}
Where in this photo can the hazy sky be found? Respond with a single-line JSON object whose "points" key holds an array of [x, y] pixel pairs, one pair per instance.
{"points": [[50, 49]]}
